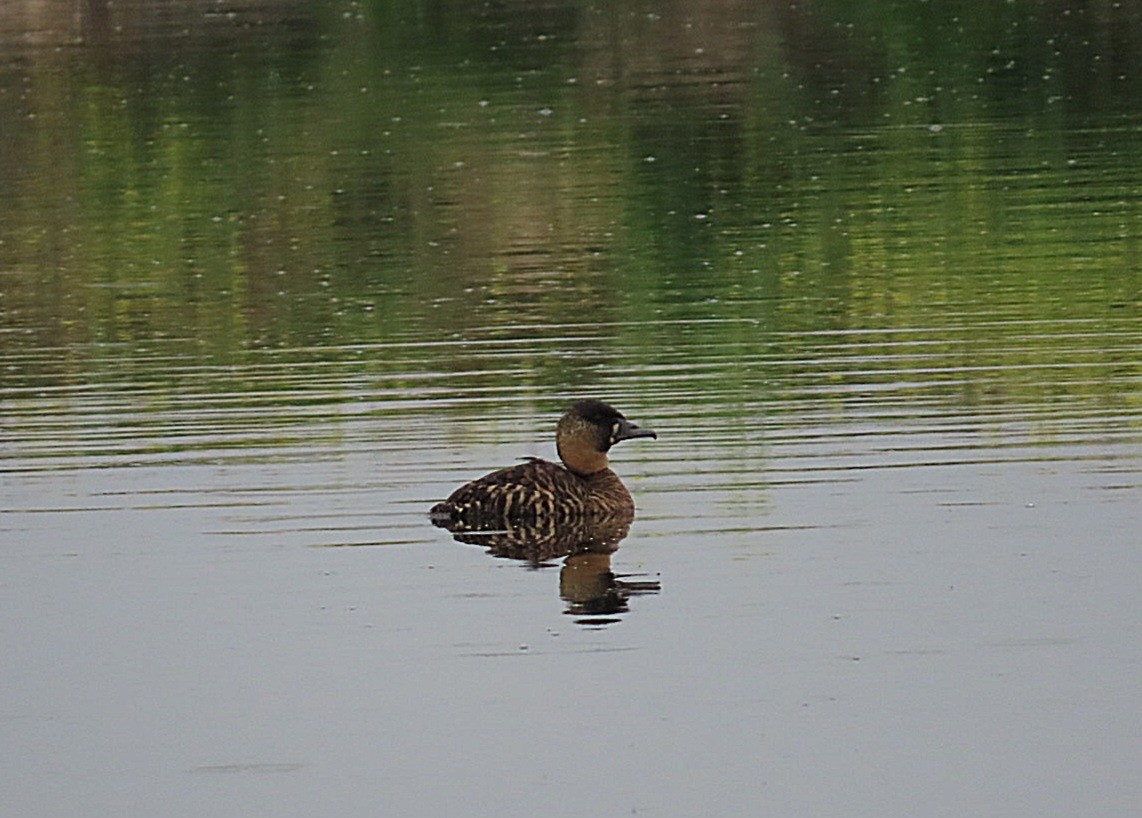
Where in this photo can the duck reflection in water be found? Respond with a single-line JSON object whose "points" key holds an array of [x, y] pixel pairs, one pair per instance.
{"points": [[593, 592], [539, 511]]}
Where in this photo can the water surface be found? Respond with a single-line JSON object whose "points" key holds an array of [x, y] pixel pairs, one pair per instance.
{"points": [[275, 278]]}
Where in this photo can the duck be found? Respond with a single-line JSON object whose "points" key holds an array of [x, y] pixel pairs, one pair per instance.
{"points": [[580, 486]]}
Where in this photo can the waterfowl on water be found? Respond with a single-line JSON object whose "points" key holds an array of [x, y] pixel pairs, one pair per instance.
{"points": [[583, 485]]}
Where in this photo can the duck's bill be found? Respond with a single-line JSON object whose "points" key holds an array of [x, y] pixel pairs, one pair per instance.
{"points": [[626, 431]]}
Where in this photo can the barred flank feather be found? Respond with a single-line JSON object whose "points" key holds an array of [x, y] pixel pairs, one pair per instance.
{"points": [[537, 490]]}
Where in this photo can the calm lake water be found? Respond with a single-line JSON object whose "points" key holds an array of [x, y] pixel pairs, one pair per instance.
{"points": [[276, 276]]}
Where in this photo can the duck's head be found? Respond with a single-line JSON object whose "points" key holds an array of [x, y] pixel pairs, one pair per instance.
{"points": [[588, 430]]}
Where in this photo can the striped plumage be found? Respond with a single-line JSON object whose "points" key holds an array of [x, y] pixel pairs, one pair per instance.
{"points": [[537, 490], [583, 486], [541, 541]]}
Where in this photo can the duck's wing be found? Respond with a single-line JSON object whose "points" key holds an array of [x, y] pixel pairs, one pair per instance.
{"points": [[529, 491]]}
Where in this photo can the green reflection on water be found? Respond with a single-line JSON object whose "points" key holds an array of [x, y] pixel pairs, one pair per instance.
{"points": [[700, 189]]}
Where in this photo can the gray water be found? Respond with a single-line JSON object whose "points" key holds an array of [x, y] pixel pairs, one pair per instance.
{"points": [[275, 279]]}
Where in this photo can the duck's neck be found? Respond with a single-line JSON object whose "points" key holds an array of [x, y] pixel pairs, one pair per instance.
{"points": [[582, 460]]}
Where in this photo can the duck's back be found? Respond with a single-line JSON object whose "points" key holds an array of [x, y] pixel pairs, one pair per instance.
{"points": [[536, 490]]}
